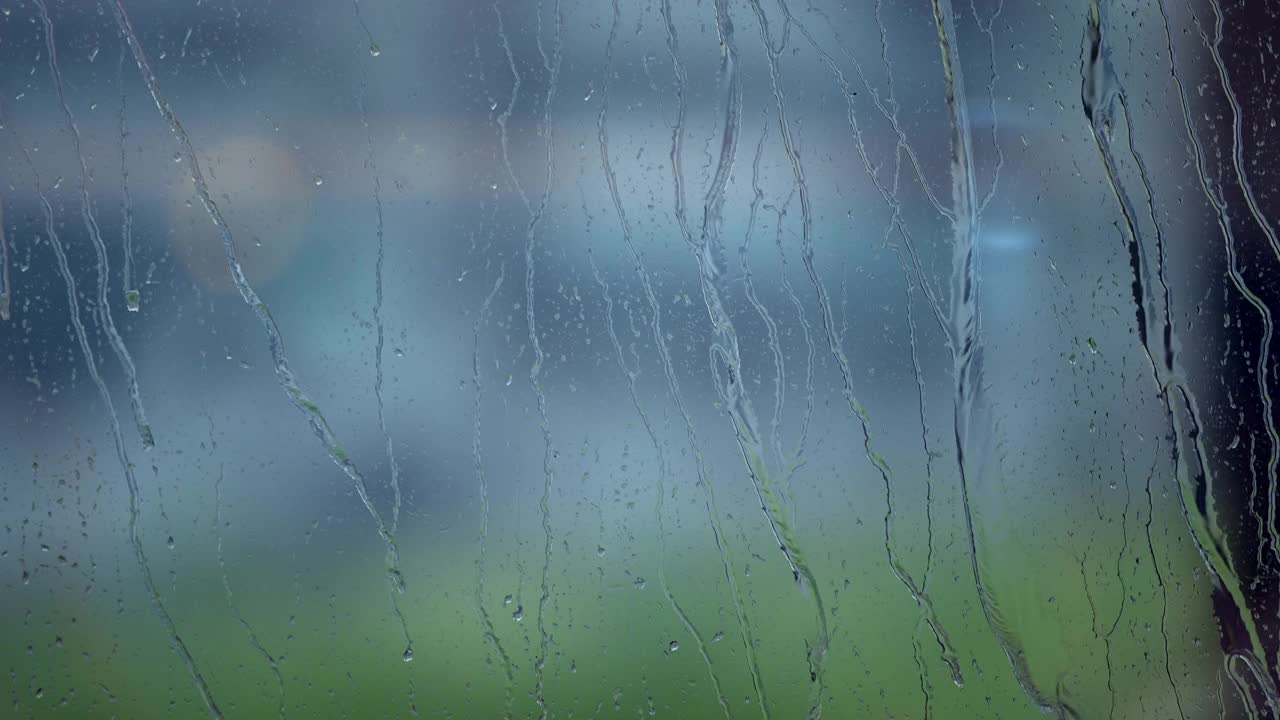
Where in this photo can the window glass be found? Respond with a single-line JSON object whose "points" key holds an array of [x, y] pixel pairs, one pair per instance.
{"points": [[638, 358]]}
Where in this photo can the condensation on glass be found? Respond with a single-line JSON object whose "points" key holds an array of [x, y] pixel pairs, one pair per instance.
{"points": [[610, 358]]}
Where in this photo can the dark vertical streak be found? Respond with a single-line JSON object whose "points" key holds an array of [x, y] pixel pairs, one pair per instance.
{"points": [[1208, 540], [1210, 545], [1098, 89], [1237, 157]]}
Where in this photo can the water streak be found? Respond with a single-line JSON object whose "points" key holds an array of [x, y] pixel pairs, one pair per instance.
{"points": [[611, 179], [103, 307], [122, 454], [283, 371]]}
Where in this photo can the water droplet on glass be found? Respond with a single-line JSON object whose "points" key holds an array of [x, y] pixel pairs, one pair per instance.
{"points": [[374, 50], [507, 600], [132, 300], [319, 181], [640, 583], [177, 157], [170, 542], [674, 646], [408, 654], [518, 615], [718, 636]]}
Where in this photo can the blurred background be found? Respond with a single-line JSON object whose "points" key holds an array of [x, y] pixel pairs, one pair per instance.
{"points": [[714, 359]]}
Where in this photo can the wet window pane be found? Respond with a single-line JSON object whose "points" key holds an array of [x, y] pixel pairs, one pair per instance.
{"points": [[686, 359]]}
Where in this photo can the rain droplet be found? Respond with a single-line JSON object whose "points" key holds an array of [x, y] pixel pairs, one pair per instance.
{"points": [[518, 615], [640, 583], [674, 646], [132, 300], [170, 542], [374, 50], [718, 636], [507, 600], [408, 654], [177, 157], [319, 181]]}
